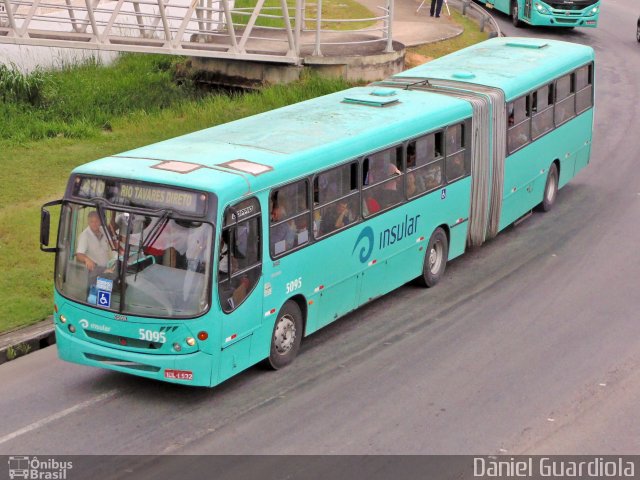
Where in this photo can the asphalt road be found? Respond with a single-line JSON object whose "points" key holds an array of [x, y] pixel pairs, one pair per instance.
{"points": [[531, 344]]}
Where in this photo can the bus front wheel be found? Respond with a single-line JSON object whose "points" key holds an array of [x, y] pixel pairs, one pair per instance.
{"points": [[550, 189], [435, 260], [286, 337], [515, 13]]}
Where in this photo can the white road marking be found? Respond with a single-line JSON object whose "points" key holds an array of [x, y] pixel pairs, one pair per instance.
{"points": [[57, 416]]}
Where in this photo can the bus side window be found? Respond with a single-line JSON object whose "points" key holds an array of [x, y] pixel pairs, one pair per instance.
{"points": [[289, 225], [565, 101], [584, 88], [239, 254], [455, 166], [337, 205], [424, 164], [519, 123], [382, 183], [542, 108]]}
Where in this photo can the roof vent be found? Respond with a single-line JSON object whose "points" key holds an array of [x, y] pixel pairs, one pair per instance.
{"points": [[464, 75], [384, 93], [527, 44]]}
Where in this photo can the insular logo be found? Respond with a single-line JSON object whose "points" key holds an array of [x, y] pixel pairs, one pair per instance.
{"points": [[366, 236], [394, 233]]}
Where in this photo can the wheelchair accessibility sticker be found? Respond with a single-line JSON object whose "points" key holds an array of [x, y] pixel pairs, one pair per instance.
{"points": [[104, 299]]}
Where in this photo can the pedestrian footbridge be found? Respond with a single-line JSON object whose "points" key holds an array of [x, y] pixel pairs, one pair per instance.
{"points": [[281, 31]]}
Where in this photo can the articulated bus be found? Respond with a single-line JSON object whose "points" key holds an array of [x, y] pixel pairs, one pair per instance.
{"points": [[194, 258], [550, 13]]}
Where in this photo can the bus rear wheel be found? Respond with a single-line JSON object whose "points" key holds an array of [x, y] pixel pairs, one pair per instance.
{"points": [[286, 337], [435, 260], [515, 13], [550, 189]]}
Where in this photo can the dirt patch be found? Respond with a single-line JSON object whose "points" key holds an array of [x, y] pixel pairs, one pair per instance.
{"points": [[414, 59]]}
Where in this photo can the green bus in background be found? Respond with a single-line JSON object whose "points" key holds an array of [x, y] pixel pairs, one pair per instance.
{"points": [[192, 259], [552, 13]]}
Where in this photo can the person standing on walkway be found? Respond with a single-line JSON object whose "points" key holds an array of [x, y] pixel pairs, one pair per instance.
{"points": [[436, 5]]}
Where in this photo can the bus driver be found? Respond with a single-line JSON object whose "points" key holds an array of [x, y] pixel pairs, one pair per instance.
{"points": [[93, 247]]}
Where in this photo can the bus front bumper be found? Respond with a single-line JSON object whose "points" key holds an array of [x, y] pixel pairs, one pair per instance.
{"points": [[193, 369], [561, 19]]}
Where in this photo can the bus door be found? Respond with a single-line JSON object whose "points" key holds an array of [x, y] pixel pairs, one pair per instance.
{"points": [[336, 199], [527, 9], [239, 283]]}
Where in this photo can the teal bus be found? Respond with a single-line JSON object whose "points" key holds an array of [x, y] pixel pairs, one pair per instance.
{"points": [[195, 258], [549, 13]]}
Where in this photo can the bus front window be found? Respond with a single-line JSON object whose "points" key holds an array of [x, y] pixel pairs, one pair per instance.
{"points": [[134, 264]]}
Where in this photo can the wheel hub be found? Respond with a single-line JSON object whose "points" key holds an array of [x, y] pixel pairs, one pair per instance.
{"points": [[435, 257], [285, 335]]}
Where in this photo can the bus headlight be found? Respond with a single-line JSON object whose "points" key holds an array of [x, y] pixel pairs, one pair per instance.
{"points": [[191, 341], [63, 319], [594, 10], [541, 8]]}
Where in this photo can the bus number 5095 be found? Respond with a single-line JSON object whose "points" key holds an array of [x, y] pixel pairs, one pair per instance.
{"points": [[294, 285], [151, 336]]}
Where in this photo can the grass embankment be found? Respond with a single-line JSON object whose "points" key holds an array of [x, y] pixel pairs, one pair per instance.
{"points": [[52, 122], [470, 36]]}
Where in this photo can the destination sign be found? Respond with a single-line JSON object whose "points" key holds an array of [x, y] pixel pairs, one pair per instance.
{"points": [[126, 193]]}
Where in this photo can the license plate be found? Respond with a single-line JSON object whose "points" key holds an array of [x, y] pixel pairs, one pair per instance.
{"points": [[178, 374]]}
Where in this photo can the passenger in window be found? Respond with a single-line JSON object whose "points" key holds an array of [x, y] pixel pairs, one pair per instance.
{"points": [[411, 156], [283, 235], [433, 176], [390, 191], [371, 205], [455, 167], [511, 116], [336, 217]]}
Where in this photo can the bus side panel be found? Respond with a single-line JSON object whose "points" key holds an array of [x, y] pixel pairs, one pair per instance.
{"points": [[526, 170], [584, 153], [401, 237], [337, 274], [503, 6]]}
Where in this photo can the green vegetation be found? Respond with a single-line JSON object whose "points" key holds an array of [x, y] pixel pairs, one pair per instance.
{"points": [[54, 121], [331, 9]]}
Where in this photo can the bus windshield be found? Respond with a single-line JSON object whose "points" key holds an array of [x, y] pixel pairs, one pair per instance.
{"points": [[132, 263]]}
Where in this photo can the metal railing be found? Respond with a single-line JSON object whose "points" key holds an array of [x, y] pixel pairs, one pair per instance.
{"points": [[199, 28], [484, 18]]}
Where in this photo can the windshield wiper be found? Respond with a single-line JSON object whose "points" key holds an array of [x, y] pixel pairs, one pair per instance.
{"points": [[105, 227], [157, 229]]}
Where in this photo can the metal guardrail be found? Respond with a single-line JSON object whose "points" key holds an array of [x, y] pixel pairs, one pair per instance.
{"points": [[484, 18]]}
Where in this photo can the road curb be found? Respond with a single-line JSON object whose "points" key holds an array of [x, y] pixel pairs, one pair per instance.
{"points": [[17, 343]]}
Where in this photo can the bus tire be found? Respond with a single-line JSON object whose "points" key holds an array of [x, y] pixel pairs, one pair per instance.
{"points": [[515, 12], [550, 189], [435, 259], [286, 336]]}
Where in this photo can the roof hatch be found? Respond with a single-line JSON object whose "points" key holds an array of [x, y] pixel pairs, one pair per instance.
{"points": [[532, 43], [375, 98]]}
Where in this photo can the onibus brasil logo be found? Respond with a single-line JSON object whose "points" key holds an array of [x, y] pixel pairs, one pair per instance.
{"points": [[37, 469]]}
